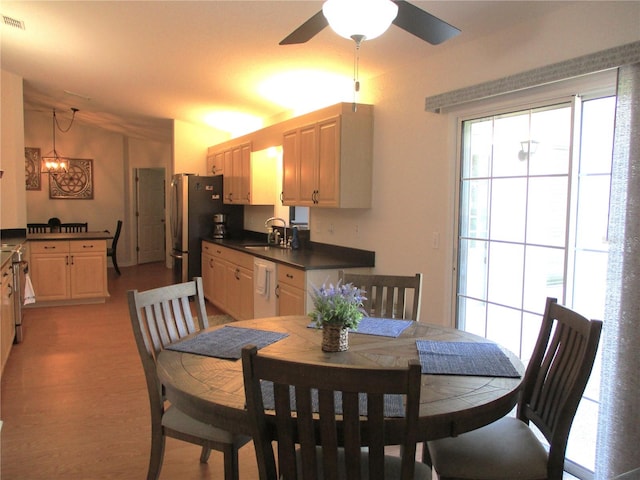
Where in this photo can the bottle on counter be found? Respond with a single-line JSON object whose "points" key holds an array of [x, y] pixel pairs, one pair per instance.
{"points": [[295, 239]]}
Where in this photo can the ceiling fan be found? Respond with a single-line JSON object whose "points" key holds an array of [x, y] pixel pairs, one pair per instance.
{"points": [[410, 18]]}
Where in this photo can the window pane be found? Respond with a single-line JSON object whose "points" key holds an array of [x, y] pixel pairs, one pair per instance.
{"points": [[508, 209], [509, 131], [474, 221], [593, 212], [503, 326], [550, 135], [530, 330], [544, 276], [590, 283], [473, 268], [597, 135], [477, 148], [547, 211], [474, 315], [505, 274]]}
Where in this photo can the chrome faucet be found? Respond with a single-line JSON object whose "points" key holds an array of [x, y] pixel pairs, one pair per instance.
{"points": [[284, 224]]}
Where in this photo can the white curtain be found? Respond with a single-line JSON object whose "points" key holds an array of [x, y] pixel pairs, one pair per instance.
{"points": [[619, 420]]}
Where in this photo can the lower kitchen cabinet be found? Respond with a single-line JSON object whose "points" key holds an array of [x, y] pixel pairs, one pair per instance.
{"points": [[290, 291], [7, 321], [227, 277], [74, 270]]}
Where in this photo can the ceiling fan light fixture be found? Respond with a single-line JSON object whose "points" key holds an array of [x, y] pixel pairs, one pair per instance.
{"points": [[363, 19]]}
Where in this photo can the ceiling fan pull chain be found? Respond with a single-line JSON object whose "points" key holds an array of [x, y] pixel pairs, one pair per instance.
{"points": [[356, 74]]}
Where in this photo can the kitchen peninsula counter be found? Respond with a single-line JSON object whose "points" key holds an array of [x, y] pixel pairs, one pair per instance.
{"points": [[69, 236], [315, 256], [68, 268]]}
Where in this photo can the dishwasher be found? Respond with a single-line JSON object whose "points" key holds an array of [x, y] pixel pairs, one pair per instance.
{"points": [[264, 288]]}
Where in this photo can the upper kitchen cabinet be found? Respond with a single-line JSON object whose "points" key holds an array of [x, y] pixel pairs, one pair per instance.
{"points": [[215, 162], [328, 162], [249, 178]]}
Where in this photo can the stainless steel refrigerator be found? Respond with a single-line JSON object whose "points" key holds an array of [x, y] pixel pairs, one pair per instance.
{"points": [[194, 201]]}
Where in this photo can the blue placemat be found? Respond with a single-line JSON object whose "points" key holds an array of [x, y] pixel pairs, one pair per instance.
{"points": [[464, 358], [384, 327], [393, 403], [226, 342]]}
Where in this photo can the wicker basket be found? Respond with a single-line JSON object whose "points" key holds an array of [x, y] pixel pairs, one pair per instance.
{"points": [[335, 338]]}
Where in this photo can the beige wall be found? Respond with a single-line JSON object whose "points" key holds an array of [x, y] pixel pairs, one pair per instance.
{"points": [[13, 213], [415, 151], [114, 159]]}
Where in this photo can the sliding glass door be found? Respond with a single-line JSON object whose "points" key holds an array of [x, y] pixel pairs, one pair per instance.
{"points": [[534, 197]]}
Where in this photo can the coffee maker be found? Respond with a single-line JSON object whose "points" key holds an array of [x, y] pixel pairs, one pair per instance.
{"points": [[219, 225]]}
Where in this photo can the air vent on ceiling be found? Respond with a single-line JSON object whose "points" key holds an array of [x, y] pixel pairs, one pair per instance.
{"points": [[12, 22]]}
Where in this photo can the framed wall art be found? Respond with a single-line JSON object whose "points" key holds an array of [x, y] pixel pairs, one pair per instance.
{"points": [[75, 184], [32, 168]]}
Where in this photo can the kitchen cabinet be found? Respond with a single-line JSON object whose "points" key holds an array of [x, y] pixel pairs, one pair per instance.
{"points": [[215, 163], [290, 291], [227, 277], [328, 163], [249, 177], [295, 288], [7, 320], [69, 270]]}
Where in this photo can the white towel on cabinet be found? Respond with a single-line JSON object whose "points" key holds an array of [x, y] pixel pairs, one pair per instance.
{"points": [[262, 282]]}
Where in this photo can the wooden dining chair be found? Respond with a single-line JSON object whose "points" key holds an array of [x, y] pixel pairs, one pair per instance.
{"points": [[159, 317], [54, 224], [37, 227], [388, 296], [112, 250], [329, 438], [74, 227], [552, 387]]}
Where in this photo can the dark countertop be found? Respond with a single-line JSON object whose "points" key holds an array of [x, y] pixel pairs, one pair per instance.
{"points": [[314, 256], [39, 237]]}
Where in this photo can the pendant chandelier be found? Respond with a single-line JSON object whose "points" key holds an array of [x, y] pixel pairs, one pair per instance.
{"points": [[53, 162]]}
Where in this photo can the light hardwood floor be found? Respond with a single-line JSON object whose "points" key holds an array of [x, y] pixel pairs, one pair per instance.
{"points": [[74, 401]]}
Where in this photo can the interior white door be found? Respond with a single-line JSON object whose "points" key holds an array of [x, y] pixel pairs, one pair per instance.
{"points": [[150, 200]]}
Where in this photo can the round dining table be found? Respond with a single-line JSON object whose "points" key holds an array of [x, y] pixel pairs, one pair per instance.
{"points": [[212, 391]]}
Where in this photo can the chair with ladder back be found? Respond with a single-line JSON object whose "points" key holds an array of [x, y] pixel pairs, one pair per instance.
{"points": [[552, 387], [159, 317]]}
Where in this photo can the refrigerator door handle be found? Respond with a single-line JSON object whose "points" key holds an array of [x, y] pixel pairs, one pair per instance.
{"points": [[176, 255]]}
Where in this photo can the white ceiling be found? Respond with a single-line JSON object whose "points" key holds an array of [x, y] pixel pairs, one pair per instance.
{"points": [[131, 66]]}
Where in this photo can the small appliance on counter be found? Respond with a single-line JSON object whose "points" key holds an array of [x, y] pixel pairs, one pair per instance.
{"points": [[220, 225]]}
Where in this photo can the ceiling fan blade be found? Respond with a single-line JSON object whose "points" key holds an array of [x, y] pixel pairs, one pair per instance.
{"points": [[307, 30], [422, 24]]}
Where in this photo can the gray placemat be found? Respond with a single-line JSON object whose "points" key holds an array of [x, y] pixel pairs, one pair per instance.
{"points": [[464, 358], [384, 327], [393, 403], [226, 342]]}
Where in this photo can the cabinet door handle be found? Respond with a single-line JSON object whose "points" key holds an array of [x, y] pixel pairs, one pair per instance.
{"points": [[72, 259], [46, 247], [278, 291], [210, 263], [237, 274], [282, 197], [87, 246], [289, 276], [248, 197]]}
